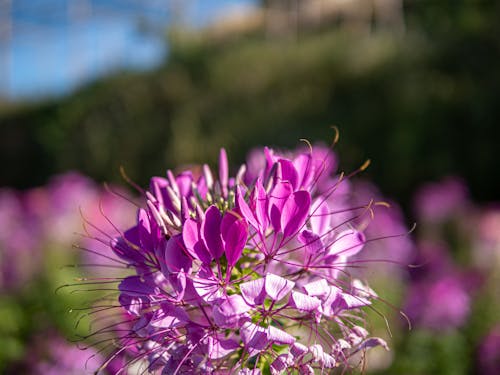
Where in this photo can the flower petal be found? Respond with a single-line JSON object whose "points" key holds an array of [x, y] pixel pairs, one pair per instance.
{"points": [[219, 348], [373, 342], [207, 285], [223, 171], [287, 172], [134, 286], [245, 209], [210, 232], [229, 312], [312, 242], [277, 199], [304, 167], [175, 257], [253, 292], [317, 288], [277, 287], [347, 243], [261, 206], [278, 335], [281, 363], [298, 349], [295, 212], [353, 302], [193, 243], [303, 302], [324, 359], [320, 216], [234, 232], [168, 316], [254, 336]]}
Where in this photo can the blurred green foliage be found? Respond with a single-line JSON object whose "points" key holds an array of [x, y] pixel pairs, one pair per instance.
{"points": [[420, 103]]}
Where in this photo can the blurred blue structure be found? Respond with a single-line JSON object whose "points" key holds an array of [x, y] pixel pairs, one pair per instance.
{"points": [[50, 47]]}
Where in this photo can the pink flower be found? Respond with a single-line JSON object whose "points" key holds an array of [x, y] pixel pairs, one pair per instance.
{"points": [[437, 202], [232, 275]]}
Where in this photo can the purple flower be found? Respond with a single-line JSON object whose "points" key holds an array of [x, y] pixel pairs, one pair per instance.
{"points": [[52, 355], [45, 219], [20, 238], [438, 303], [489, 353], [243, 274], [436, 202], [438, 296]]}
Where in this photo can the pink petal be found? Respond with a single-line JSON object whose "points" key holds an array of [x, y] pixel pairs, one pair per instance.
{"points": [[144, 230], [125, 249], [261, 206], [298, 349], [178, 281], [185, 214], [277, 287], [168, 316], [347, 243], [353, 302], [219, 348], [254, 336], [253, 292], [332, 301], [373, 342], [229, 312], [210, 232], [223, 171], [207, 285], [277, 199], [245, 209], [278, 335], [295, 212], [234, 231], [320, 216], [324, 359], [193, 243], [134, 286], [304, 167], [175, 258], [281, 363], [303, 302], [287, 172], [269, 159], [184, 181], [317, 288], [312, 243], [157, 186]]}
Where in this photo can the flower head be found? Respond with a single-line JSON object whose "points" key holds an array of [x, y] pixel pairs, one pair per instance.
{"points": [[246, 273]]}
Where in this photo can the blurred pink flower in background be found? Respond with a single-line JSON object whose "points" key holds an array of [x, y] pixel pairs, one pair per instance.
{"points": [[19, 240], [489, 353], [439, 201], [53, 355], [49, 218], [438, 297]]}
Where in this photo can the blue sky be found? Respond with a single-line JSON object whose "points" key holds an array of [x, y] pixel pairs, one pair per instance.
{"points": [[57, 45]]}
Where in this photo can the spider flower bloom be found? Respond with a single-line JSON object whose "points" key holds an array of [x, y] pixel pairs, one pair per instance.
{"points": [[245, 274]]}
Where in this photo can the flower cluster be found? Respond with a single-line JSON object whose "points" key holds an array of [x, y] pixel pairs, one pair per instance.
{"points": [[41, 220], [245, 274]]}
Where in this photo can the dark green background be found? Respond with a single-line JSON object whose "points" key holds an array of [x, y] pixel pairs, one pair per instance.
{"points": [[420, 102]]}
